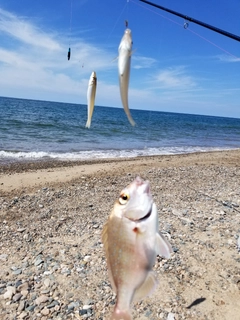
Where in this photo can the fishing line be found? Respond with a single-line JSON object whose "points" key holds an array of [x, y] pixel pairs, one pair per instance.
{"points": [[224, 203], [212, 43], [186, 28], [127, 15], [70, 30], [126, 5], [147, 129], [70, 23]]}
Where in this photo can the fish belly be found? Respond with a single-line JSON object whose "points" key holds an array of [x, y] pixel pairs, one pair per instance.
{"points": [[124, 74], [129, 262], [91, 100]]}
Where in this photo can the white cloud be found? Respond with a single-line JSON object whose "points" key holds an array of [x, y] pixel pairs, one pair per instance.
{"points": [[44, 73], [25, 32], [174, 78], [91, 57], [37, 63], [17, 60], [142, 62], [228, 58]]}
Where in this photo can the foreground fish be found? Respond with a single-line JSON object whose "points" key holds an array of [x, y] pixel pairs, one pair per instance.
{"points": [[124, 61], [131, 242], [91, 93]]}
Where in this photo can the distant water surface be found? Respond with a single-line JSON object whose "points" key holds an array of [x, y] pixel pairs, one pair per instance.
{"points": [[34, 130]]}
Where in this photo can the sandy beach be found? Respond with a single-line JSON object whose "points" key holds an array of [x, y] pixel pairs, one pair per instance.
{"points": [[51, 256]]}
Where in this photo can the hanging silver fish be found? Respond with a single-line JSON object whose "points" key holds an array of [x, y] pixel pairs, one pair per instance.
{"points": [[91, 93], [124, 62]]}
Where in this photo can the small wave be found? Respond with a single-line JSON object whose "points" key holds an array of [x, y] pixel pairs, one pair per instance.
{"points": [[23, 155], [101, 154]]}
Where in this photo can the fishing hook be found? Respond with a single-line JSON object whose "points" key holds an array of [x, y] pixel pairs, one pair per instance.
{"points": [[185, 25]]}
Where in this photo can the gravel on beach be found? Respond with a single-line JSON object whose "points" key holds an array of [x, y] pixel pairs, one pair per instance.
{"points": [[52, 264]]}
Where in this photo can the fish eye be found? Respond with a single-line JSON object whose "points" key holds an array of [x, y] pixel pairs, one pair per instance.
{"points": [[123, 199]]}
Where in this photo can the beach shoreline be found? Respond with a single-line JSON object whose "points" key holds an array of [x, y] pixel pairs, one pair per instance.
{"points": [[51, 218], [33, 174]]}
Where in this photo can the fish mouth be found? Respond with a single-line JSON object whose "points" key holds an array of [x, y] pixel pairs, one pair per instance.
{"points": [[144, 217]]}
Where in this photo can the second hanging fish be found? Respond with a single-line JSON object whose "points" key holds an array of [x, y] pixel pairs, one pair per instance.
{"points": [[124, 62], [91, 93]]}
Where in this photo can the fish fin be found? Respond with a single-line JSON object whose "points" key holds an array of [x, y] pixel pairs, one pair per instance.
{"points": [[163, 247], [133, 123], [146, 288], [105, 243], [105, 237], [114, 59], [132, 52], [130, 119], [121, 314]]}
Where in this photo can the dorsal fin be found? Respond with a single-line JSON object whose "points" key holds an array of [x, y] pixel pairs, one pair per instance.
{"points": [[105, 243]]}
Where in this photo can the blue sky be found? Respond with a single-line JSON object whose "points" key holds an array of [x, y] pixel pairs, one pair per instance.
{"points": [[173, 69]]}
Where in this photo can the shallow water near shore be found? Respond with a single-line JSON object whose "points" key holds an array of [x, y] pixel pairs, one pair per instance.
{"points": [[35, 130]]}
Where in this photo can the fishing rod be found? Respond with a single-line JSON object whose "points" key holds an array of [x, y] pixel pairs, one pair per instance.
{"points": [[205, 25]]}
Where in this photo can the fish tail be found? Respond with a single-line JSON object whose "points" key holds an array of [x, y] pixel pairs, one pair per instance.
{"points": [[121, 315], [131, 120], [88, 124]]}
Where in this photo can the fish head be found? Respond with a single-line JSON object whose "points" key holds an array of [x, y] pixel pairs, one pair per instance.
{"points": [[135, 201], [93, 75], [126, 42], [93, 79], [128, 34]]}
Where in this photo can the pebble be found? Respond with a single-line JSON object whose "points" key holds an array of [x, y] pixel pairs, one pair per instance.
{"points": [[30, 308], [238, 243], [86, 307], [3, 257], [17, 297], [60, 271], [42, 299], [23, 286], [23, 315], [17, 272], [38, 261], [53, 304], [9, 293], [73, 305], [45, 311], [83, 312], [47, 282], [24, 293], [87, 258], [171, 316], [21, 305]]}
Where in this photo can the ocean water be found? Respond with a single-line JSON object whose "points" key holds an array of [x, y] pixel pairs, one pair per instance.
{"points": [[35, 130]]}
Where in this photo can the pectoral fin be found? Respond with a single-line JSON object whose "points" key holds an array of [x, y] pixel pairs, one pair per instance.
{"points": [[132, 52], [163, 247], [146, 288]]}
